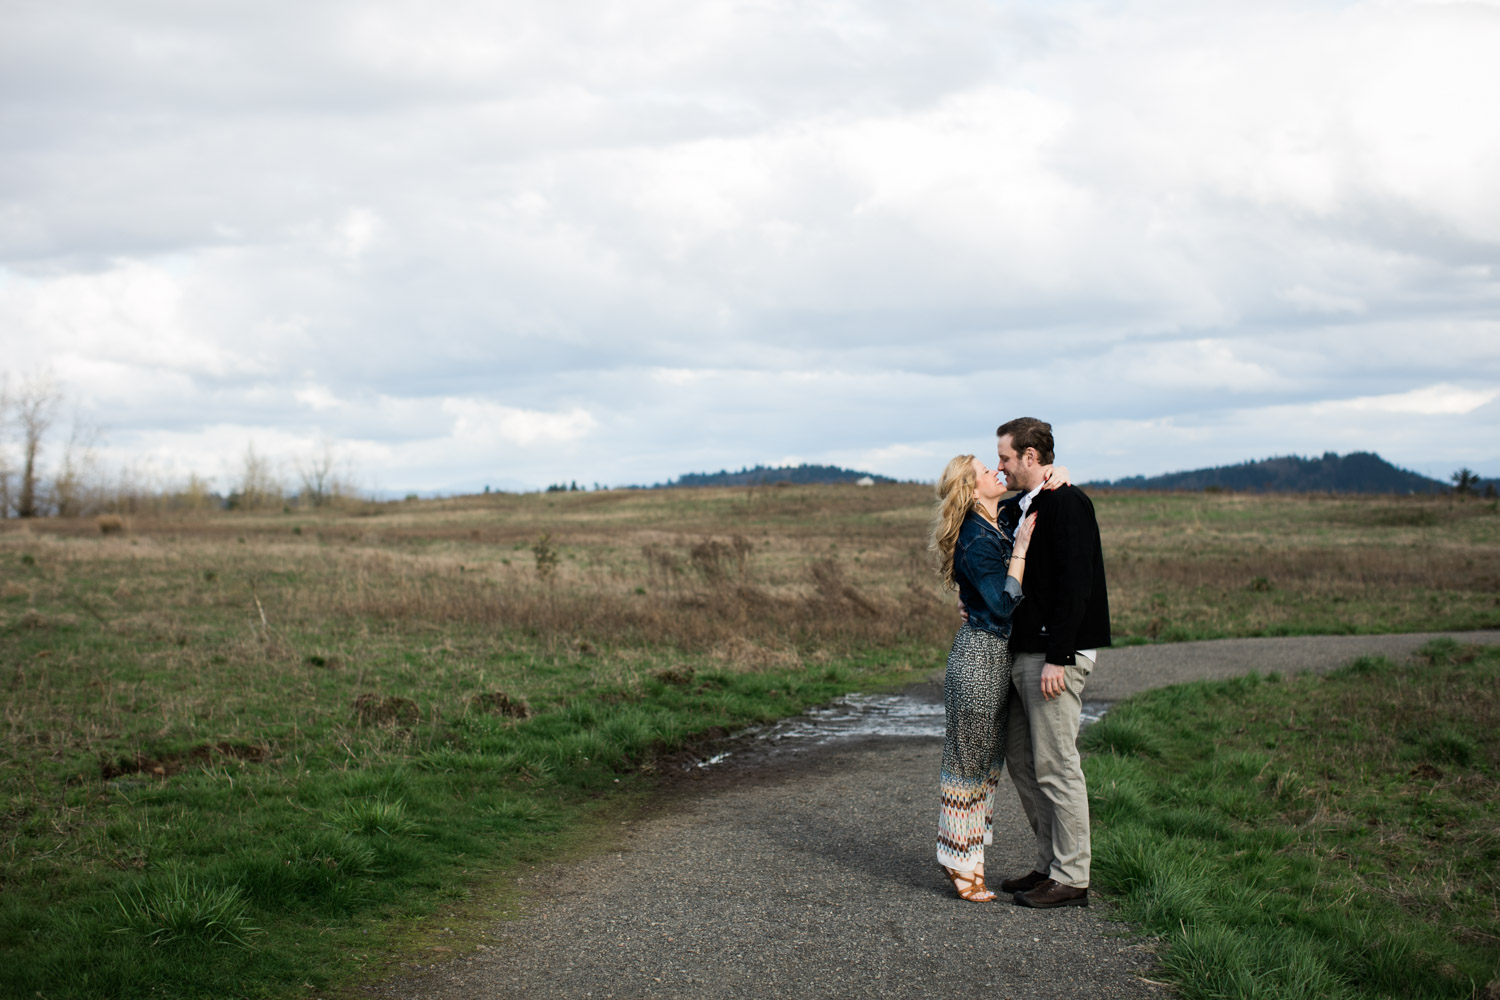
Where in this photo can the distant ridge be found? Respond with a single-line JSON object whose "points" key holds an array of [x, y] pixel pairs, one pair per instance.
{"points": [[764, 476], [1356, 472]]}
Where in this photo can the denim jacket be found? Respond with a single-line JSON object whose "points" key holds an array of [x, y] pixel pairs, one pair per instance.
{"points": [[981, 561]]}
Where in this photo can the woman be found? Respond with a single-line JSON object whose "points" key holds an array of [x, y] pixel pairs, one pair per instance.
{"points": [[982, 561]]}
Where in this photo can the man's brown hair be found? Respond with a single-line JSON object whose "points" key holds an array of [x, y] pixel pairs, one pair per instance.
{"points": [[1029, 432]]}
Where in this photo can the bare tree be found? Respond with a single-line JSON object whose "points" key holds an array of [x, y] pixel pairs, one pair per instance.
{"points": [[132, 488], [323, 476], [34, 405], [78, 486], [195, 495], [258, 486], [5, 469]]}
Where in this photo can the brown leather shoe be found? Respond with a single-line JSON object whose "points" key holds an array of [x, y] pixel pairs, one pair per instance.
{"points": [[1023, 883], [1048, 894]]}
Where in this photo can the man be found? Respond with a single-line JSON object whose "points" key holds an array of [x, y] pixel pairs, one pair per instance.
{"points": [[1055, 636]]}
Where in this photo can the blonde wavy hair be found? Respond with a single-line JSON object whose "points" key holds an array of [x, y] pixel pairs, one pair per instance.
{"points": [[955, 498]]}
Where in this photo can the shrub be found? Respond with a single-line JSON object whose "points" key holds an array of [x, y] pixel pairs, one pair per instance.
{"points": [[372, 816], [1122, 736], [184, 907], [546, 556]]}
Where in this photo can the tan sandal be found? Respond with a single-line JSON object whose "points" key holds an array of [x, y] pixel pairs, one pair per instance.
{"points": [[969, 885]]}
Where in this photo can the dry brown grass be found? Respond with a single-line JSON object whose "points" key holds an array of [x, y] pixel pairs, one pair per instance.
{"points": [[1182, 566], [770, 570], [698, 593]]}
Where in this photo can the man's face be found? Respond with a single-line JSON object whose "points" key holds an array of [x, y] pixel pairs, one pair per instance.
{"points": [[1017, 468]]}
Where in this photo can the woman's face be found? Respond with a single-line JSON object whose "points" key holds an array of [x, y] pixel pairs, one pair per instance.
{"points": [[987, 485]]}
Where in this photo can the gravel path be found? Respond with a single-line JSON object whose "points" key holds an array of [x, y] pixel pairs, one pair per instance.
{"points": [[813, 876]]}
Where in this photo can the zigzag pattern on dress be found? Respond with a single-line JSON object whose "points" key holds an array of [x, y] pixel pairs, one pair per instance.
{"points": [[966, 815]]}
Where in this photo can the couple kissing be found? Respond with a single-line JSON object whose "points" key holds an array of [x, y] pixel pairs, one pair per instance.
{"points": [[1029, 571]]}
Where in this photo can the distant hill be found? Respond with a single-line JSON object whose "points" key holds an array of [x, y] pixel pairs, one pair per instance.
{"points": [[1356, 472], [761, 475]]}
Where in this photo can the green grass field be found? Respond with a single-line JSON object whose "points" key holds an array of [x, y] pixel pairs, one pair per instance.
{"points": [[245, 753], [1311, 837]]}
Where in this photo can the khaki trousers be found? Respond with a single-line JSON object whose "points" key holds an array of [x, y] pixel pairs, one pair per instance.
{"points": [[1042, 756]]}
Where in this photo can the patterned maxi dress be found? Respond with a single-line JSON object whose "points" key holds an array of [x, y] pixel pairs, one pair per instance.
{"points": [[975, 696], [976, 692]]}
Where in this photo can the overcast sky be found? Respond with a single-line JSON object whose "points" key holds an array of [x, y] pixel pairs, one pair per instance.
{"points": [[509, 243]]}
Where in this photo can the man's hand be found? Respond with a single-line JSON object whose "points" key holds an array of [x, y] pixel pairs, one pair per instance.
{"points": [[1052, 681], [963, 612]]}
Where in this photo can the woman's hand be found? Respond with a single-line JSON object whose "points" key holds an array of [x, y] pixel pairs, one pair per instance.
{"points": [[1057, 477], [1023, 537]]}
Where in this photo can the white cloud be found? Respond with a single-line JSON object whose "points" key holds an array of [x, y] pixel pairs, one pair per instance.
{"points": [[1431, 400], [356, 233], [1314, 301], [131, 315], [316, 397], [680, 376], [1196, 365], [485, 424]]}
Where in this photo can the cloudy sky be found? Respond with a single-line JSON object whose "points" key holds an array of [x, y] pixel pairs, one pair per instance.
{"points": [[515, 243]]}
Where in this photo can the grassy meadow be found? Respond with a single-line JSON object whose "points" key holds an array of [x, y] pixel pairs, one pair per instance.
{"points": [[1324, 838], [250, 754]]}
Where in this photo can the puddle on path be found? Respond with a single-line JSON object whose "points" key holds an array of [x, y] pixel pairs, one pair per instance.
{"points": [[850, 717]]}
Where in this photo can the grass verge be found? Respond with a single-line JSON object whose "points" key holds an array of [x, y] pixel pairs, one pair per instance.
{"points": [[1334, 836], [234, 878]]}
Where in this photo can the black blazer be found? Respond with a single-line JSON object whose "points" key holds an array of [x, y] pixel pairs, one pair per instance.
{"points": [[1067, 606]]}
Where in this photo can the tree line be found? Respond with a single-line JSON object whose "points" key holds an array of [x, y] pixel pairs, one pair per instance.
{"points": [[45, 472]]}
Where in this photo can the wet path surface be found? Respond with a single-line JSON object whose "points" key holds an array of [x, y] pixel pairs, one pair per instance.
{"points": [[916, 712], [805, 869]]}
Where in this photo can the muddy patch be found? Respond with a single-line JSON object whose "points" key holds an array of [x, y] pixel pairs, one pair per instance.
{"points": [[166, 765], [500, 703], [373, 709]]}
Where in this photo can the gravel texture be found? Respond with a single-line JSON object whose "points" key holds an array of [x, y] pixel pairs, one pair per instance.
{"points": [[813, 875]]}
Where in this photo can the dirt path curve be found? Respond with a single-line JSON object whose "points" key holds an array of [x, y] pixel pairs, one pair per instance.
{"points": [[813, 876]]}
